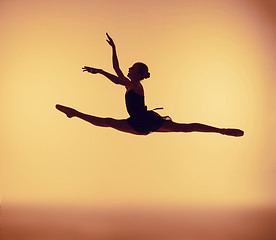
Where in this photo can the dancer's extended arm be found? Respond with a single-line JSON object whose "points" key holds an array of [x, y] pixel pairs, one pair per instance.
{"points": [[111, 77], [115, 60]]}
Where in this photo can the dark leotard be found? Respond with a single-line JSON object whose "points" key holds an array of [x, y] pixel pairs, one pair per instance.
{"points": [[140, 119]]}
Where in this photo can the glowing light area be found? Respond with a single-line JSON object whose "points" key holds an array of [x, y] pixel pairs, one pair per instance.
{"points": [[210, 61]]}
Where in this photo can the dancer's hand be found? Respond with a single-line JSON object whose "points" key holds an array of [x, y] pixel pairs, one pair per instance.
{"points": [[91, 70], [110, 41]]}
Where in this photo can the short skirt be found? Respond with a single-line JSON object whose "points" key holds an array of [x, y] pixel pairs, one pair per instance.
{"points": [[147, 122]]}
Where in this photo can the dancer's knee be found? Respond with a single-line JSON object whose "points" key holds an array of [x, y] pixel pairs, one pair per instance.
{"points": [[193, 126], [109, 122], [185, 127]]}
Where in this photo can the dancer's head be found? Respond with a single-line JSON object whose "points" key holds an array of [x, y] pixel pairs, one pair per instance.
{"points": [[138, 72]]}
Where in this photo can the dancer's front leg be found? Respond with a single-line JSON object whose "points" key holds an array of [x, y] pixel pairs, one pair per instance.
{"points": [[118, 124], [170, 126]]}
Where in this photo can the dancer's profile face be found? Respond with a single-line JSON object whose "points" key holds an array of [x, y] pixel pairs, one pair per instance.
{"points": [[134, 74]]}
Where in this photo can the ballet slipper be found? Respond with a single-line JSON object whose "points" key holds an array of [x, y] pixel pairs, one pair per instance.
{"points": [[70, 112], [232, 132]]}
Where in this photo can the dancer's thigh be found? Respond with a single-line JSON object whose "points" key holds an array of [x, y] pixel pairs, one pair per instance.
{"points": [[171, 126], [121, 125]]}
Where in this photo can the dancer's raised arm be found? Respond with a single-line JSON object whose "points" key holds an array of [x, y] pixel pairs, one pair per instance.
{"points": [[115, 60], [117, 80]]}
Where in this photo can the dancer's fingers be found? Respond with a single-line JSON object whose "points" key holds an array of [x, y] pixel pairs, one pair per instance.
{"points": [[110, 40], [90, 69], [108, 36], [87, 68]]}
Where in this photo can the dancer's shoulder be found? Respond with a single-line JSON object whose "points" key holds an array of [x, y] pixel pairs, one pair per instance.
{"points": [[137, 88]]}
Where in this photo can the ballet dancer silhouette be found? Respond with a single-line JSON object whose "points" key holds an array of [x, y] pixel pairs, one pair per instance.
{"points": [[141, 121]]}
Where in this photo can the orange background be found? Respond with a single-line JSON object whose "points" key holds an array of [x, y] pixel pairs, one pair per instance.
{"points": [[211, 62]]}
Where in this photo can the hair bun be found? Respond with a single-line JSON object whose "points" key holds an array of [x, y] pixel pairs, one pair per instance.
{"points": [[147, 75]]}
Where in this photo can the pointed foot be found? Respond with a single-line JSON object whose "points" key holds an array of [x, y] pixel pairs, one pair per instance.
{"points": [[232, 132], [70, 112]]}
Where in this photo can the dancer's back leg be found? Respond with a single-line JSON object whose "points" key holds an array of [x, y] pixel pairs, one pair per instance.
{"points": [[118, 124], [170, 126]]}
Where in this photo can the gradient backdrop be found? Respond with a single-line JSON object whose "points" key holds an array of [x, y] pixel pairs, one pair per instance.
{"points": [[211, 62]]}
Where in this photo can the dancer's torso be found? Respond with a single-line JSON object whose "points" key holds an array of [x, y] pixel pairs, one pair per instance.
{"points": [[135, 103]]}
